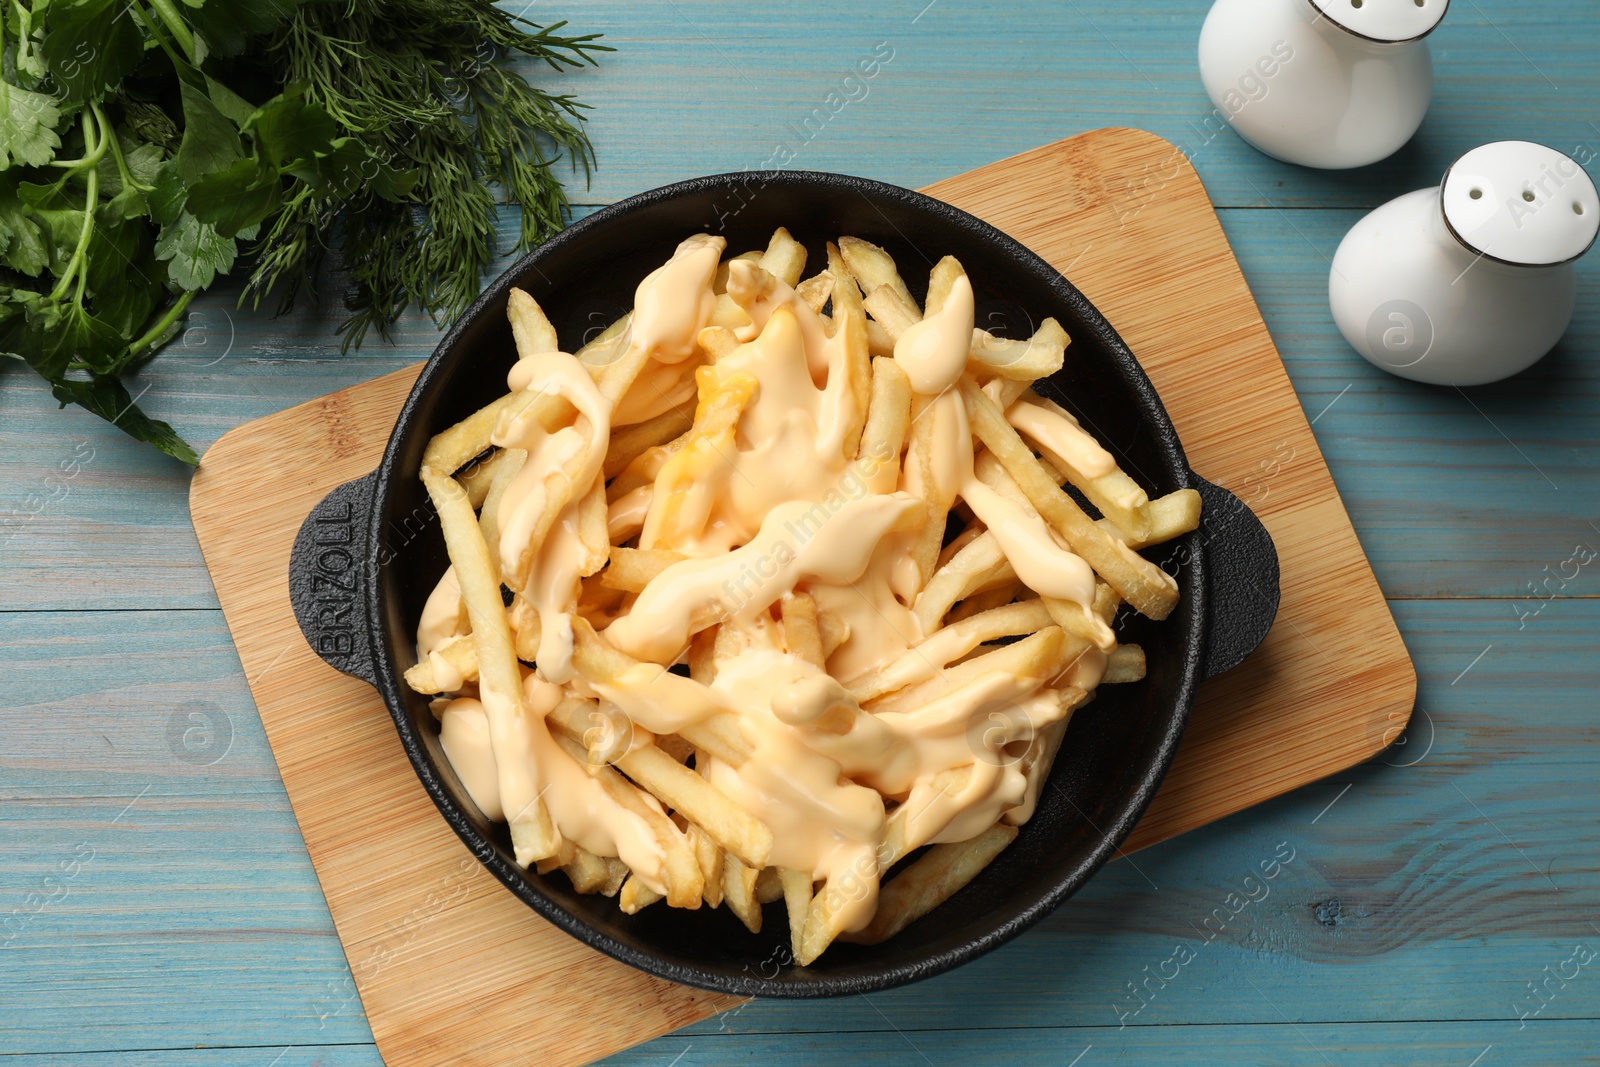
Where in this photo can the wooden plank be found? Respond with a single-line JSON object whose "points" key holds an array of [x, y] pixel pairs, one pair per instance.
{"points": [[974, 82], [1437, 915]]}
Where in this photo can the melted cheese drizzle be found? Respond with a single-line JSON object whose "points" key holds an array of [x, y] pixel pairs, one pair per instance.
{"points": [[774, 505]]}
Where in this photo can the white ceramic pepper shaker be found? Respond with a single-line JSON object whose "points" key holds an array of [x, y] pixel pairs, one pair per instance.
{"points": [[1472, 281], [1322, 83]]}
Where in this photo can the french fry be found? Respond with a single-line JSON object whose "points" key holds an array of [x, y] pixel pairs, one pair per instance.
{"points": [[816, 290], [533, 834], [769, 887], [636, 896], [1039, 656], [604, 348], [454, 661], [630, 442], [802, 633], [476, 477], [880, 342], [1059, 438], [524, 620], [948, 645], [932, 880], [530, 328], [1141, 583], [451, 449], [1168, 516], [797, 898], [850, 323], [785, 258], [873, 268], [984, 600], [702, 656], [616, 873], [961, 540], [711, 860], [587, 871], [1125, 664], [1026, 361], [888, 420], [940, 279], [894, 312], [718, 342], [632, 569], [1004, 391], [739, 893], [979, 565]]}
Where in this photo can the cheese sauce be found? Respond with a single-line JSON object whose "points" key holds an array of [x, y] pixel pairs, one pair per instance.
{"points": [[763, 504]]}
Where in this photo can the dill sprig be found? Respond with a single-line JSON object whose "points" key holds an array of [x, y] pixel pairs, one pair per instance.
{"points": [[428, 88]]}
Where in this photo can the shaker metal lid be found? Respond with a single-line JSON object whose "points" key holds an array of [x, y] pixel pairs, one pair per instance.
{"points": [[1521, 203], [1386, 21]]}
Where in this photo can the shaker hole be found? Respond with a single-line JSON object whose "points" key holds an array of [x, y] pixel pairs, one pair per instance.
{"points": [[1527, 194], [1476, 194], [1577, 208], [1355, 3], [1422, 3]]}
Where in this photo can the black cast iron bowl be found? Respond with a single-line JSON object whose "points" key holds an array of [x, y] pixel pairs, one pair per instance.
{"points": [[369, 554]]}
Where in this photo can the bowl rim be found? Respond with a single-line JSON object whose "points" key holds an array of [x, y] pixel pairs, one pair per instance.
{"points": [[522, 883]]}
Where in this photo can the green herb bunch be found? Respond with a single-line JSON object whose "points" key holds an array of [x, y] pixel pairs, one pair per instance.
{"points": [[149, 146]]}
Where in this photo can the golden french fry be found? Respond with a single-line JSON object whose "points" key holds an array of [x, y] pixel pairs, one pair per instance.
{"points": [[616, 873], [984, 600], [702, 656], [797, 898], [1081, 622], [1026, 361], [1089, 467], [475, 478], [630, 442], [880, 342], [1039, 656], [769, 887], [636, 896], [632, 569], [802, 632], [1168, 516], [1125, 664], [816, 290], [675, 746], [711, 860], [529, 326], [588, 872], [850, 322], [446, 667], [888, 421], [873, 269], [567, 853], [785, 258], [961, 540], [931, 655], [932, 880], [739, 893], [940, 279], [524, 620], [981, 564], [1150, 590], [1005, 391], [533, 834], [606, 346], [450, 450], [894, 312]]}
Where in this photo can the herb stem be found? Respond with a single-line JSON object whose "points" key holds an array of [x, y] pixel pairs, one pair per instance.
{"points": [[128, 180], [75, 266], [176, 26], [174, 313]]}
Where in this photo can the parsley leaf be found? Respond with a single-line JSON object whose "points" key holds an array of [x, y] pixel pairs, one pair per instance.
{"points": [[196, 252], [90, 45], [210, 141], [27, 126]]}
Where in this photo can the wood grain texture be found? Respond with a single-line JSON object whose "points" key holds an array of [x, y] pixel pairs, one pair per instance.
{"points": [[199, 920], [1258, 732]]}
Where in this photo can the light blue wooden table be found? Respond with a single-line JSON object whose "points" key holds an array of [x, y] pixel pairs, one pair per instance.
{"points": [[1443, 903]]}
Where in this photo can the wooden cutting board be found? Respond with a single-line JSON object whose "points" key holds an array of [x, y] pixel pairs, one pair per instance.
{"points": [[452, 968]]}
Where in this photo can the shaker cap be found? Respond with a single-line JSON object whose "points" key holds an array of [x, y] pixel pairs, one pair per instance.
{"points": [[1521, 203], [1386, 21]]}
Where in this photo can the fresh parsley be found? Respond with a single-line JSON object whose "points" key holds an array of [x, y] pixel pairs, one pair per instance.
{"points": [[148, 147]]}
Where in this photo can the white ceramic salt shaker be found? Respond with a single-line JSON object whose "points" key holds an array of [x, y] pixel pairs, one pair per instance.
{"points": [[1322, 83], [1472, 281]]}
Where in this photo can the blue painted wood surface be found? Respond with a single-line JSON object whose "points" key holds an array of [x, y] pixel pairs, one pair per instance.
{"points": [[155, 896]]}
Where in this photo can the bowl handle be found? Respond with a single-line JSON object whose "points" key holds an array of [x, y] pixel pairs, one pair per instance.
{"points": [[331, 569], [1242, 577]]}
